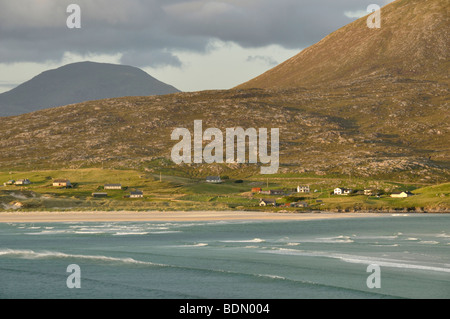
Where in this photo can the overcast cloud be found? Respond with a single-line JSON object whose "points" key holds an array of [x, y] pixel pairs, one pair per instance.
{"points": [[147, 32], [191, 44]]}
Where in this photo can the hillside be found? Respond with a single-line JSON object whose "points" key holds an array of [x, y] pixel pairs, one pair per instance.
{"points": [[79, 82], [399, 131], [412, 43], [382, 125]]}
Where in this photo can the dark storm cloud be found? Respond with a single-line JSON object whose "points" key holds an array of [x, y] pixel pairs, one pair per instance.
{"points": [[148, 31]]}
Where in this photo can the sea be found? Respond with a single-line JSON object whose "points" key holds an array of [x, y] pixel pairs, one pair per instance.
{"points": [[393, 256]]}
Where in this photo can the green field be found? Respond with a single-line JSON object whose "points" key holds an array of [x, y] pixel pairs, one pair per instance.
{"points": [[168, 192]]}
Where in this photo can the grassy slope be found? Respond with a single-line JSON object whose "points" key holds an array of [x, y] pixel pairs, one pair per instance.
{"points": [[182, 193]]}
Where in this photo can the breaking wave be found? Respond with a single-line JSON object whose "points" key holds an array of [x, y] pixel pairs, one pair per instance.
{"points": [[354, 259], [30, 254], [254, 240]]}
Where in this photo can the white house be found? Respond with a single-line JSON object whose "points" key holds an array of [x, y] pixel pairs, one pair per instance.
{"points": [[214, 179], [342, 191], [401, 195], [23, 182], [303, 189], [113, 186], [267, 202]]}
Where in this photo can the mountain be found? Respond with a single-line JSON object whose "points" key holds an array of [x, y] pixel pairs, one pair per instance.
{"points": [[80, 82], [412, 43], [381, 124]]}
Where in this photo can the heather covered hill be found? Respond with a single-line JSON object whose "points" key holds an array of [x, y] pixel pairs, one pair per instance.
{"points": [[375, 106], [400, 130], [80, 82], [412, 43]]}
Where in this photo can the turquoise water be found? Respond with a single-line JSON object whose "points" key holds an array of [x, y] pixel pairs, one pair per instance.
{"points": [[229, 260]]}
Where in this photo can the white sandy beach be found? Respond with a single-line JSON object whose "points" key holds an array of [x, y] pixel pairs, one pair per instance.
{"points": [[52, 217]]}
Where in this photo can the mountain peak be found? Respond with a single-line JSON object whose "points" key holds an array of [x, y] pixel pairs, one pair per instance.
{"points": [[80, 82], [411, 43]]}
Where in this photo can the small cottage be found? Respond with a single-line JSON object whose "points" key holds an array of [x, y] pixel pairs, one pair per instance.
{"points": [[61, 183], [348, 191], [303, 189], [214, 179], [113, 186], [401, 195], [23, 182], [99, 195], [342, 191], [267, 202], [137, 194], [299, 204], [277, 192]]}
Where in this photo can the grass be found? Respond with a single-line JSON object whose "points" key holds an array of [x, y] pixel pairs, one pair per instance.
{"points": [[193, 193]]}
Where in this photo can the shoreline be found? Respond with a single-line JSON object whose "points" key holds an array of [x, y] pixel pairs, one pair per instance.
{"points": [[181, 216]]}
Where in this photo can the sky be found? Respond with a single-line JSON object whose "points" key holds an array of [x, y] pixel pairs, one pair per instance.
{"points": [[193, 45]]}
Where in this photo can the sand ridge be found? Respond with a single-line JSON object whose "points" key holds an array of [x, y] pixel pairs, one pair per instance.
{"points": [[129, 216]]}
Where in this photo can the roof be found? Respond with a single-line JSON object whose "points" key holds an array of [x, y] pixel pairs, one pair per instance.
{"points": [[300, 204], [214, 178], [113, 185], [60, 181], [137, 193]]}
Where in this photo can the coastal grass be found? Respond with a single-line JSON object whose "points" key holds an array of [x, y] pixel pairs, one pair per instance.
{"points": [[166, 192]]}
